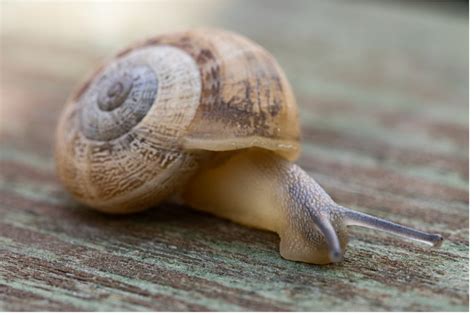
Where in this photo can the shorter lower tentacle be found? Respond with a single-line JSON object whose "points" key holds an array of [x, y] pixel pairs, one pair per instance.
{"points": [[332, 240]]}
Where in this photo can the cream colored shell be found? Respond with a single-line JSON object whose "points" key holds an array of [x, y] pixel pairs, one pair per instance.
{"points": [[182, 96]]}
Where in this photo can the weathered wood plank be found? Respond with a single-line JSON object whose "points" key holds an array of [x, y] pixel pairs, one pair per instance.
{"points": [[383, 92]]}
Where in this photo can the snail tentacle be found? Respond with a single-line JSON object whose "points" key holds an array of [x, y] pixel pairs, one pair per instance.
{"points": [[329, 232], [353, 217]]}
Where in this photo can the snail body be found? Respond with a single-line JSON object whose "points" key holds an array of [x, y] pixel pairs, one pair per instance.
{"points": [[208, 116]]}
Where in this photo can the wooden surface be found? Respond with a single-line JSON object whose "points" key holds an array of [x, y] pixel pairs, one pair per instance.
{"points": [[383, 92]]}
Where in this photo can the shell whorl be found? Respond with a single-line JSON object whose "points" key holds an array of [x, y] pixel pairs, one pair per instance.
{"points": [[118, 101], [118, 141], [123, 93]]}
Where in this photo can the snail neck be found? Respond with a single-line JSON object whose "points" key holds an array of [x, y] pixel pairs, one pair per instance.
{"points": [[259, 189], [244, 187]]}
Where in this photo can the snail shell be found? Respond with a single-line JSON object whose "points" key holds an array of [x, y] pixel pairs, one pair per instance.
{"points": [[207, 116], [133, 132]]}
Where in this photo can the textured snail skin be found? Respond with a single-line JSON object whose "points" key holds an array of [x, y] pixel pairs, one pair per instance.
{"points": [[209, 117], [260, 189]]}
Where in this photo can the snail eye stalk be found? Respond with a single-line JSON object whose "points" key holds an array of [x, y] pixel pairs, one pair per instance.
{"points": [[353, 217]]}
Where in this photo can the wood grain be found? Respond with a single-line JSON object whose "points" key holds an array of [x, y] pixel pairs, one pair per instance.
{"points": [[383, 94]]}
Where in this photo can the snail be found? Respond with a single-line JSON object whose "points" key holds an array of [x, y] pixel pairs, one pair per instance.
{"points": [[206, 117]]}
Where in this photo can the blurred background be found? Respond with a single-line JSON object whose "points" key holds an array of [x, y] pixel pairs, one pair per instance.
{"points": [[391, 62], [382, 88]]}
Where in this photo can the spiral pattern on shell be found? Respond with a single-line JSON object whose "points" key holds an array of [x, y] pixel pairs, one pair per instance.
{"points": [[137, 129], [123, 130], [118, 101]]}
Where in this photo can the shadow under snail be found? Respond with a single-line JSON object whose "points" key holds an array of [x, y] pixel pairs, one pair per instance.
{"points": [[208, 117]]}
